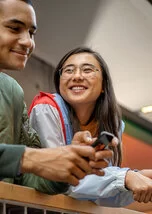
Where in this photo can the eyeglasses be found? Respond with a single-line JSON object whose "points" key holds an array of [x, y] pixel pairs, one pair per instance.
{"points": [[86, 70]]}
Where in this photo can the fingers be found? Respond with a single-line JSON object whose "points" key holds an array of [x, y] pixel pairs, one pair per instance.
{"points": [[148, 198], [85, 151], [104, 154], [139, 197], [115, 142], [143, 197], [84, 166], [86, 137], [101, 159], [73, 180], [98, 172], [82, 137], [99, 164], [140, 185], [78, 159], [80, 173]]}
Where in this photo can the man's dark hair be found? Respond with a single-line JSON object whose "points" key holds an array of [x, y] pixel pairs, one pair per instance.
{"points": [[28, 2]]}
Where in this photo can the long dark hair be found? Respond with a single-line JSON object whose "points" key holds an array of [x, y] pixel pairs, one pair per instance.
{"points": [[106, 111]]}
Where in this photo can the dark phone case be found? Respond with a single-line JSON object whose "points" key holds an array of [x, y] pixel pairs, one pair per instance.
{"points": [[103, 139]]}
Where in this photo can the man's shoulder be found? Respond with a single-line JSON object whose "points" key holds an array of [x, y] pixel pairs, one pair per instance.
{"points": [[6, 77], [9, 83]]}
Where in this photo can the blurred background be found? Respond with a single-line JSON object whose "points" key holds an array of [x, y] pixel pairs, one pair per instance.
{"points": [[121, 31]]}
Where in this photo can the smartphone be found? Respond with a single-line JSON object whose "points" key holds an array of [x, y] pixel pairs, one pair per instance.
{"points": [[103, 139]]}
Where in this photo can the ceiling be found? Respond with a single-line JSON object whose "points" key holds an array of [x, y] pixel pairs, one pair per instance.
{"points": [[120, 30]]}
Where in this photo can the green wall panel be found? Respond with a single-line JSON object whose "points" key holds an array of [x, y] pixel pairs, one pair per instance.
{"points": [[137, 131]]}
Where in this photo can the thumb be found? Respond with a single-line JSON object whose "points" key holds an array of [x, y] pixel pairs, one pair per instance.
{"points": [[83, 137], [87, 138]]}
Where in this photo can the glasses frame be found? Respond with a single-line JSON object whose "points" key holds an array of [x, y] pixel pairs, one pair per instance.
{"points": [[80, 68]]}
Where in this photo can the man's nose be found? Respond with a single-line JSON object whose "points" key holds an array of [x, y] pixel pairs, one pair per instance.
{"points": [[26, 40]]}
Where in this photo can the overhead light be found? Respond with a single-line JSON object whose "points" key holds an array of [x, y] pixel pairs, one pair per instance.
{"points": [[146, 109]]}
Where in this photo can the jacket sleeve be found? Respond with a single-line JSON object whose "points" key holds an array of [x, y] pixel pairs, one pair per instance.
{"points": [[41, 184], [107, 190], [10, 156], [28, 135]]}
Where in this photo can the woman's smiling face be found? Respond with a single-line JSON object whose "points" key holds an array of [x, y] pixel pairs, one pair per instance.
{"points": [[79, 89]]}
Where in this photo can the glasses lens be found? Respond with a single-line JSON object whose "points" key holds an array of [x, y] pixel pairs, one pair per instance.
{"points": [[67, 72], [87, 71]]}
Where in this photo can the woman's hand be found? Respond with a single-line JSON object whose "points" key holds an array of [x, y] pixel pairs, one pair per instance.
{"points": [[102, 157], [140, 185], [146, 172], [82, 138]]}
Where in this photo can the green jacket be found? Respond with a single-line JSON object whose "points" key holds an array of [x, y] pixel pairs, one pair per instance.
{"points": [[10, 156], [15, 129]]}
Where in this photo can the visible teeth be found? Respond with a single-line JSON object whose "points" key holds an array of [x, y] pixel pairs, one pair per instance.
{"points": [[78, 88]]}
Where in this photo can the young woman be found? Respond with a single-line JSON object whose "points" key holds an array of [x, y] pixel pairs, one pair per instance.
{"points": [[85, 100]]}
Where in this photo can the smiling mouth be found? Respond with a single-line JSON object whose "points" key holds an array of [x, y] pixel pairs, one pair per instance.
{"points": [[20, 52], [78, 88]]}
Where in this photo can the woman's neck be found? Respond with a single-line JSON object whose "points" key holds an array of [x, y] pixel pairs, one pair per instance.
{"points": [[84, 113]]}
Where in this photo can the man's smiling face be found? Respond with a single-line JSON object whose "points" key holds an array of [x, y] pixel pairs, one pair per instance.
{"points": [[17, 29]]}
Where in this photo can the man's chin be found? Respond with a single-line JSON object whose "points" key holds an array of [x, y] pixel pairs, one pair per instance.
{"points": [[17, 67]]}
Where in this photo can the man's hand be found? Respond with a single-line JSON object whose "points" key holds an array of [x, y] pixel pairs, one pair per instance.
{"points": [[140, 185], [64, 164]]}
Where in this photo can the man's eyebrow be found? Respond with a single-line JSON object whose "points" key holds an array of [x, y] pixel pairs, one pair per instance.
{"points": [[16, 21]]}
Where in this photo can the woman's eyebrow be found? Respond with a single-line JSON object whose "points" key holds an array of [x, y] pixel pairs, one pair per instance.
{"points": [[68, 65], [80, 65]]}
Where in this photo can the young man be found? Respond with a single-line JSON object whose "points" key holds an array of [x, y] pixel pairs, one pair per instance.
{"points": [[64, 164]]}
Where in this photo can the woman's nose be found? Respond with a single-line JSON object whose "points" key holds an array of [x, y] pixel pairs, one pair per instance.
{"points": [[77, 74]]}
